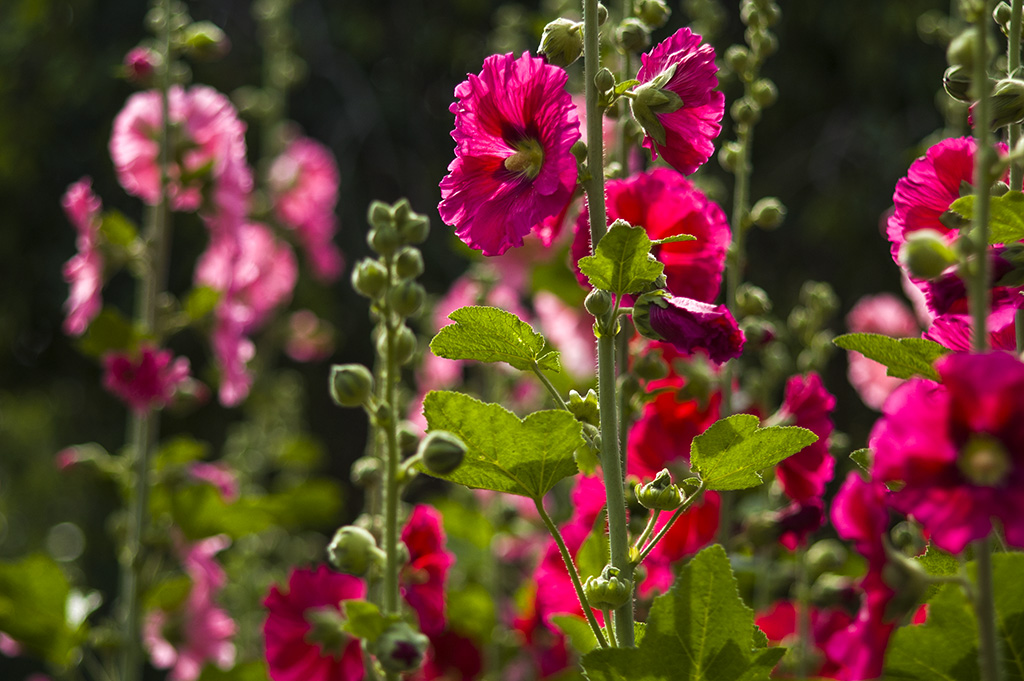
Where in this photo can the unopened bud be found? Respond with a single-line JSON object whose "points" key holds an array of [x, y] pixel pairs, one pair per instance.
{"points": [[404, 344], [370, 278], [205, 41], [598, 302], [745, 111], [961, 49], [604, 80], [957, 82], [752, 301], [413, 228], [400, 648], [384, 239], [351, 384], [408, 263], [654, 13], [925, 254], [825, 555], [561, 43], [650, 366], [406, 298], [602, 14], [379, 214], [729, 156], [608, 591], [1007, 103], [737, 58], [585, 409], [831, 590], [764, 92], [408, 438], [907, 537], [768, 213], [365, 471], [442, 452], [659, 494], [354, 551], [633, 35]]}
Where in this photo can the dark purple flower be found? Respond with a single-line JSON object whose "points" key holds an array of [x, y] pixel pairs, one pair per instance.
{"points": [[691, 325]]}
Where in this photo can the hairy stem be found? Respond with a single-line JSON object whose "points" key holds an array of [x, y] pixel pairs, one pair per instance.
{"points": [[984, 157], [985, 610]]}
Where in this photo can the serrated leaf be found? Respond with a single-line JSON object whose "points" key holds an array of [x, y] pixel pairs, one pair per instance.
{"points": [[487, 334], [674, 239], [505, 453], [622, 262], [903, 357], [733, 451], [937, 563], [363, 619], [699, 631], [33, 601], [1006, 215], [118, 230], [862, 457]]}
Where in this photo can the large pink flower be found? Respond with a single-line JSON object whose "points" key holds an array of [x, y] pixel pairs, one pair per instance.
{"points": [[84, 271], [304, 187], [146, 379], [423, 578], [808, 405], [294, 652], [690, 129], [665, 203], [958, 447], [514, 127]]}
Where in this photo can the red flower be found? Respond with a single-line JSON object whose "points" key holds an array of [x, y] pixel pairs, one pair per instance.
{"points": [[146, 380], [422, 580], [808, 405]]}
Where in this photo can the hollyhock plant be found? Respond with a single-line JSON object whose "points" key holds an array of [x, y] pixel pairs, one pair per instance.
{"points": [[304, 190], [885, 314], [687, 67], [958, 447], [692, 326], [84, 271], [692, 531], [808, 405], [665, 204], [146, 379], [423, 578], [515, 125], [301, 644]]}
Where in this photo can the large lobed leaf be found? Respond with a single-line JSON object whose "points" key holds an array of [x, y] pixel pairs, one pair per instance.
{"points": [[33, 608], [733, 451], [1006, 216], [622, 262], [903, 357], [487, 334], [699, 631], [505, 453]]}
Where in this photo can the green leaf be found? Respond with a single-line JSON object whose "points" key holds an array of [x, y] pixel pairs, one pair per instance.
{"points": [[862, 457], [110, 331], [471, 611], [938, 563], [118, 230], [33, 601], [487, 334], [363, 619], [622, 262], [674, 239], [625, 85], [169, 594], [505, 454], [699, 631], [1006, 216], [904, 357], [733, 451], [581, 636], [255, 670], [201, 301], [178, 451]]}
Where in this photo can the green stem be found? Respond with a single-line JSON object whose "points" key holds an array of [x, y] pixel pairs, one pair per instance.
{"points": [[1013, 67], [983, 161], [645, 551], [611, 463], [651, 522], [608, 624], [803, 614], [574, 575], [984, 607], [391, 461], [559, 400]]}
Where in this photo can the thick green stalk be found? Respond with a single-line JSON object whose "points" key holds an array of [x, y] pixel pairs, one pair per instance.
{"points": [[1016, 130], [392, 487], [985, 610], [736, 260], [611, 463]]}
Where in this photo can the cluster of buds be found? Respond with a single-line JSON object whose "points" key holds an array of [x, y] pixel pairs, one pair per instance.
{"points": [[198, 40]]}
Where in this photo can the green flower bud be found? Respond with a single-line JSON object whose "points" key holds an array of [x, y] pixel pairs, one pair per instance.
{"points": [[604, 80], [205, 41], [729, 156], [745, 111], [961, 49], [366, 471], [609, 591], [957, 82], [925, 254], [654, 13], [406, 298], [413, 227], [351, 384], [764, 92], [650, 366], [585, 409], [1007, 102], [384, 239], [562, 42], [737, 58], [832, 590], [660, 494], [907, 537], [404, 344], [442, 452], [354, 551], [383, 417], [400, 648], [408, 263], [908, 579], [598, 302], [602, 14], [370, 278], [768, 213], [824, 556], [752, 301], [408, 438], [763, 43], [633, 35], [379, 214], [1002, 13]]}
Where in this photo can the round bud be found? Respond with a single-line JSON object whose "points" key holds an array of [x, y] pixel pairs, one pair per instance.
{"points": [[608, 591], [925, 254], [604, 80], [752, 301], [408, 263], [370, 278], [383, 417], [598, 302], [408, 438], [442, 452], [366, 471], [737, 57], [961, 49], [764, 92], [832, 590], [561, 43], [406, 298], [768, 213], [205, 41], [745, 111], [907, 537], [762, 42], [404, 344], [379, 214], [824, 556], [351, 384], [354, 551], [400, 648], [602, 14], [1002, 13], [729, 156], [413, 228], [660, 494], [384, 239], [750, 13], [654, 13], [579, 151], [957, 82], [633, 35]]}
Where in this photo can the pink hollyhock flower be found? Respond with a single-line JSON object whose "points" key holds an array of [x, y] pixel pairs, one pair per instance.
{"points": [[798, 521], [296, 651], [205, 127], [232, 350], [304, 188], [690, 129], [206, 629], [146, 379], [665, 204], [958, 447], [84, 271], [217, 474], [808, 405], [422, 579], [692, 326], [885, 314], [955, 330], [514, 127], [779, 624], [451, 656], [310, 339], [569, 330]]}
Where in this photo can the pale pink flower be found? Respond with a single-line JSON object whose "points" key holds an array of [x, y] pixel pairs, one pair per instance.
{"points": [[310, 338], [217, 474], [146, 379], [84, 271], [888, 315], [570, 331]]}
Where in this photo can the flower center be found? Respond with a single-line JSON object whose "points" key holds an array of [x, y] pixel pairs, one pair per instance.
{"points": [[527, 160], [984, 461], [325, 630]]}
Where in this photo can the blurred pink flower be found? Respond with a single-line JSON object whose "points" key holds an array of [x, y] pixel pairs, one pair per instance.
{"points": [[514, 127], [146, 379], [570, 330], [689, 130], [84, 271], [423, 578], [219, 475], [888, 315], [808, 405], [304, 188], [310, 338], [451, 657]]}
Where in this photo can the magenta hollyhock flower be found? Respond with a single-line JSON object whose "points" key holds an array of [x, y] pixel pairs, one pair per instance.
{"points": [[808, 405], [84, 271], [422, 580], [958, 447], [955, 330], [779, 624], [798, 521], [205, 629], [514, 127], [665, 203], [304, 189], [690, 129], [232, 350], [295, 650], [451, 656], [692, 326], [146, 379]]}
